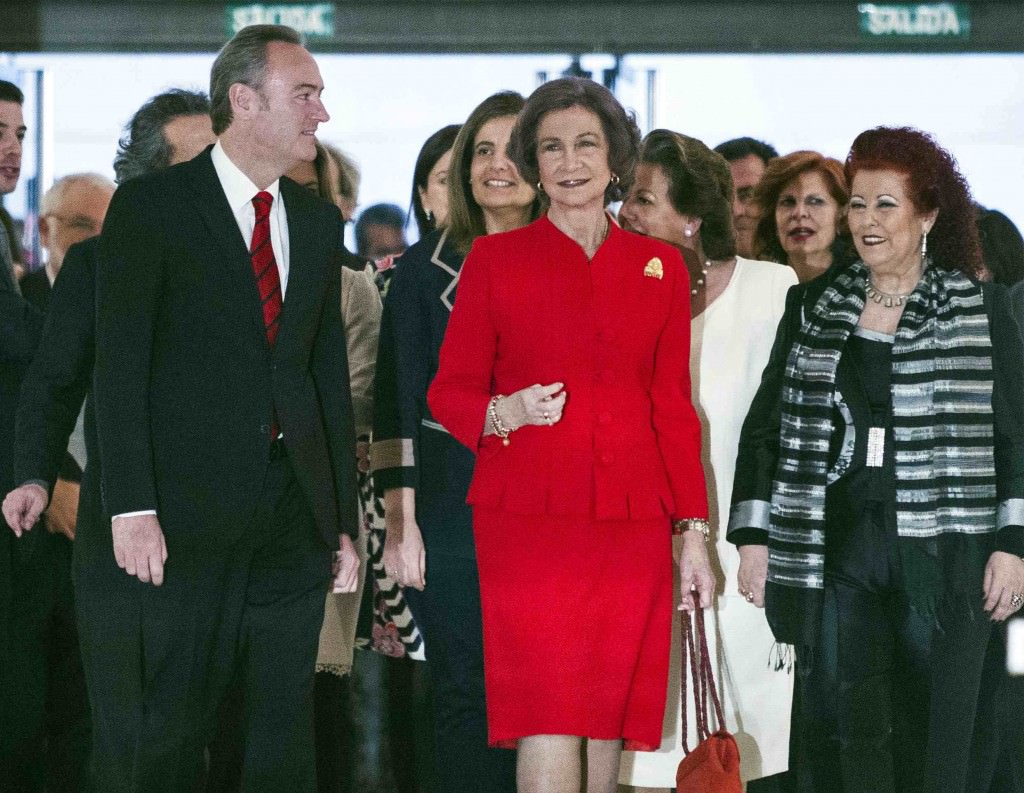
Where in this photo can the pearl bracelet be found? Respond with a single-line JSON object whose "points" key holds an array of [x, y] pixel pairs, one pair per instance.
{"points": [[496, 423]]}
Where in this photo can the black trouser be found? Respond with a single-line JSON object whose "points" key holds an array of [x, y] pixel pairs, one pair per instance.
{"points": [[447, 612], [883, 697], [907, 688], [997, 757], [814, 734], [44, 712], [159, 659]]}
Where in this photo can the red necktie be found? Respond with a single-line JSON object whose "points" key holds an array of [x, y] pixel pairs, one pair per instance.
{"points": [[268, 280]]}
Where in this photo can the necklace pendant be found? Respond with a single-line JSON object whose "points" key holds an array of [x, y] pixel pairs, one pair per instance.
{"points": [[891, 299]]}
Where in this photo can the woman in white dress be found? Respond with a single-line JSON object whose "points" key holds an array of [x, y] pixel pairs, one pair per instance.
{"points": [[682, 194]]}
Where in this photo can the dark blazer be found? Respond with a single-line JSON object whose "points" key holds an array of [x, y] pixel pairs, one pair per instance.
{"points": [[61, 372], [35, 288], [186, 384], [410, 448], [758, 454], [20, 327]]}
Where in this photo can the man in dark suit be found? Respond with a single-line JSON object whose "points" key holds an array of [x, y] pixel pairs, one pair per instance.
{"points": [[171, 127], [41, 745], [225, 429]]}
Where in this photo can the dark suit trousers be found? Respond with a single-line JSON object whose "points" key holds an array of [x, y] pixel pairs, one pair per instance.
{"points": [[44, 715], [159, 659]]}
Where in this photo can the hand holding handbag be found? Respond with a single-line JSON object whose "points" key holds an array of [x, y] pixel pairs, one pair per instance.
{"points": [[714, 764]]}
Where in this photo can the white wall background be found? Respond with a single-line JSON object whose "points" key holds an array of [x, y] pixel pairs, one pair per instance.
{"points": [[383, 107]]}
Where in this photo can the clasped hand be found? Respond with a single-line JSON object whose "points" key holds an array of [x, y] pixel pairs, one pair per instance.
{"points": [[537, 404]]}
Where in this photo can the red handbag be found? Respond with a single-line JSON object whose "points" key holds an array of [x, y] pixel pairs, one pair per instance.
{"points": [[714, 764]]}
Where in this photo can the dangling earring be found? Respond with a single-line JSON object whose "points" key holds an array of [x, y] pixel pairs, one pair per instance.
{"points": [[430, 216], [615, 179], [924, 248]]}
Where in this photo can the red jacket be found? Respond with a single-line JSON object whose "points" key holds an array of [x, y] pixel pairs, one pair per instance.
{"points": [[531, 309]]}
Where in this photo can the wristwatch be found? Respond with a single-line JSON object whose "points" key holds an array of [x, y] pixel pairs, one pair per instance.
{"points": [[693, 524]]}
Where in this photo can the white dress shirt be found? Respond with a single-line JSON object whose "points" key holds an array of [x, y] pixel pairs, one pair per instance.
{"points": [[240, 191]]}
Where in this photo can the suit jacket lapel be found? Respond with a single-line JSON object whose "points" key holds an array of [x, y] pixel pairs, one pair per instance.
{"points": [[235, 264], [302, 252], [443, 257]]}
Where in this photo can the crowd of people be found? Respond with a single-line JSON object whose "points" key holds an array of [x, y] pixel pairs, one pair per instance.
{"points": [[618, 379]]}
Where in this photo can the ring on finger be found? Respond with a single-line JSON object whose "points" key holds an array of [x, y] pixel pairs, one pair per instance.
{"points": [[749, 596], [1017, 600]]}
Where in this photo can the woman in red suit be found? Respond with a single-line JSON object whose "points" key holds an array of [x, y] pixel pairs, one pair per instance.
{"points": [[565, 369]]}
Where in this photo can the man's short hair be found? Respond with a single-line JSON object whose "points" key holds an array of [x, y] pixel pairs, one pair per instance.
{"points": [[378, 215], [243, 60], [738, 148], [143, 147], [9, 92], [55, 195]]}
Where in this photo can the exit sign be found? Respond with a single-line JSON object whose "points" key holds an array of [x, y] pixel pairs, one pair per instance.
{"points": [[915, 20], [312, 20]]}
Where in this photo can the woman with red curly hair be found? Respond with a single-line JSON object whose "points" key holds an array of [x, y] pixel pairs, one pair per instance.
{"points": [[879, 493], [802, 199]]}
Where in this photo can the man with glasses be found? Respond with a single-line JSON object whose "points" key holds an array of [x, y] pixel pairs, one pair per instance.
{"points": [[72, 210]]}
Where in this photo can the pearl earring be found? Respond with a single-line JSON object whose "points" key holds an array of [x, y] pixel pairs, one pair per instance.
{"points": [[687, 233]]}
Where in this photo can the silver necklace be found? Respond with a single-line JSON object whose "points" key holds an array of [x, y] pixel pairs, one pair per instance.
{"points": [[887, 299], [702, 278]]}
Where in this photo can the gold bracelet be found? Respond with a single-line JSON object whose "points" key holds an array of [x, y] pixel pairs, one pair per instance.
{"points": [[496, 423], [693, 524]]}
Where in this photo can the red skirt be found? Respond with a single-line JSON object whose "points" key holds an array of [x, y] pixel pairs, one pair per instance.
{"points": [[577, 618]]}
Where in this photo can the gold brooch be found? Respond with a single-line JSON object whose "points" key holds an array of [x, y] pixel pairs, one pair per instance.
{"points": [[653, 269]]}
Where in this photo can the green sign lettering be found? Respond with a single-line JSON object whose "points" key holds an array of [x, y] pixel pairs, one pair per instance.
{"points": [[309, 20], [923, 20]]}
